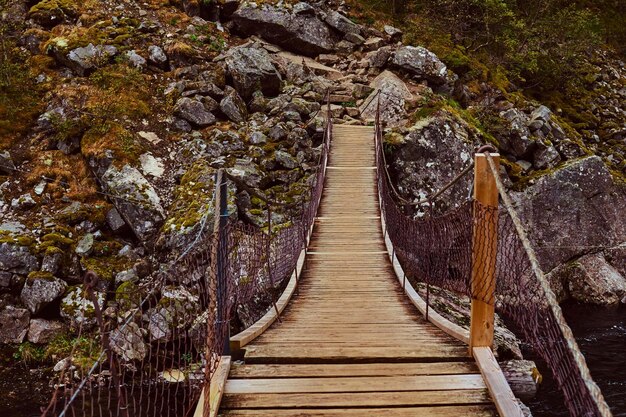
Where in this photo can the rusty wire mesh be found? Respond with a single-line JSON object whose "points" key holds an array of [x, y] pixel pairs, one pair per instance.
{"points": [[447, 251], [159, 342]]}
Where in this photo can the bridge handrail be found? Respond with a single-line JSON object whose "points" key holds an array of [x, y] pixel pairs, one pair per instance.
{"points": [[438, 251]]}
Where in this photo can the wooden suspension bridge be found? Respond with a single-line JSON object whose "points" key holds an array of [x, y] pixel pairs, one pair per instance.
{"points": [[351, 339]]}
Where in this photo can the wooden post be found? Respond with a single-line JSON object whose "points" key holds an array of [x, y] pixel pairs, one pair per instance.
{"points": [[484, 250]]}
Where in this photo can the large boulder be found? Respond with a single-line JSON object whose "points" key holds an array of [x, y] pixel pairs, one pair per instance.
{"points": [[252, 69], [303, 33], [421, 63], [434, 151], [13, 324], [40, 289], [392, 93], [589, 279], [573, 209], [16, 258], [138, 202]]}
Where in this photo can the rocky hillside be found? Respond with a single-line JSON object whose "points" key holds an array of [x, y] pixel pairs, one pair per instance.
{"points": [[114, 116]]}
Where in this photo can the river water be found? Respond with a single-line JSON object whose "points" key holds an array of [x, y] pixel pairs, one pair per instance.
{"points": [[601, 335]]}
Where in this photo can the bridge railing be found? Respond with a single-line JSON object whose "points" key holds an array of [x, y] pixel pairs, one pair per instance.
{"points": [[442, 251], [159, 343]]}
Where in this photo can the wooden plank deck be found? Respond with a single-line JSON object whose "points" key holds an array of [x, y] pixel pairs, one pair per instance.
{"points": [[351, 343]]}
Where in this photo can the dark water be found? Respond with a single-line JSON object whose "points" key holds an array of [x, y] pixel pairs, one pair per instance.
{"points": [[601, 335]]}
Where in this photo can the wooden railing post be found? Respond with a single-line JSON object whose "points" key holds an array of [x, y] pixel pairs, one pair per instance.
{"points": [[484, 250], [221, 218]]}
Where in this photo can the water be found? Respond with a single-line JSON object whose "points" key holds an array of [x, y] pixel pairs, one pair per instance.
{"points": [[601, 335]]}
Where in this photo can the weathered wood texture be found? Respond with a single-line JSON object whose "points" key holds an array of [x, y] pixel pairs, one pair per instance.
{"points": [[350, 343]]}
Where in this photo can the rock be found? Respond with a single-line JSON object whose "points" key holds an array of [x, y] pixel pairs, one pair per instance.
{"points": [[86, 59], [43, 331], [372, 44], [140, 206], [582, 190], [78, 309], [303, 8], [341, 23], [380, 57], [126, 276], [355, 38], [23, 202], [135, 59], [17, 259], [52, 262], [523, 377], [393, 95], [193, 111], [157, 56], [617, 258], [517, 141], [545, 157], [434, 151], [252, 70], [175, 312], [590, 279], [13, 227], [258, 138], [50, 13], [394, 33], [541, 113], [151, 137], [115, 221], [40, 188], [40, 290], [278, 132], [345, 47], [127, 342], [13, 324], [6, 163], [420, 63], [85, 245], [233, 106], [328, 59], [6, 279], [303, 33], [285, 159], [151, 166]]}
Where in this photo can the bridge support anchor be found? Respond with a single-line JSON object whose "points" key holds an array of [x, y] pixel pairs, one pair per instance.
{"points": [[484, 250]]}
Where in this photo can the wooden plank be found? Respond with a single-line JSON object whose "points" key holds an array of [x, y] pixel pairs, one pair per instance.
{"points": [[356, 399], [355, 384], [355, 370], [276, 353], [498, 387], [216, 389], [449, 411]]}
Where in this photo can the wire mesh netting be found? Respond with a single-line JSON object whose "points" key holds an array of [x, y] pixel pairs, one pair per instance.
{"points": [[159, 343], [450, 252]]}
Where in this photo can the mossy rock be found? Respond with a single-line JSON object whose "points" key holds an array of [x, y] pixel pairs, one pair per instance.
{"points": [[49, 13]]}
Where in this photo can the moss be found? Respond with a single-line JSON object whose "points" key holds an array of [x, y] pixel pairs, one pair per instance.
{"points": [[192, 197], [42, 275], [106, 267], [111, 137], [127, 296], [106, 248]]}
